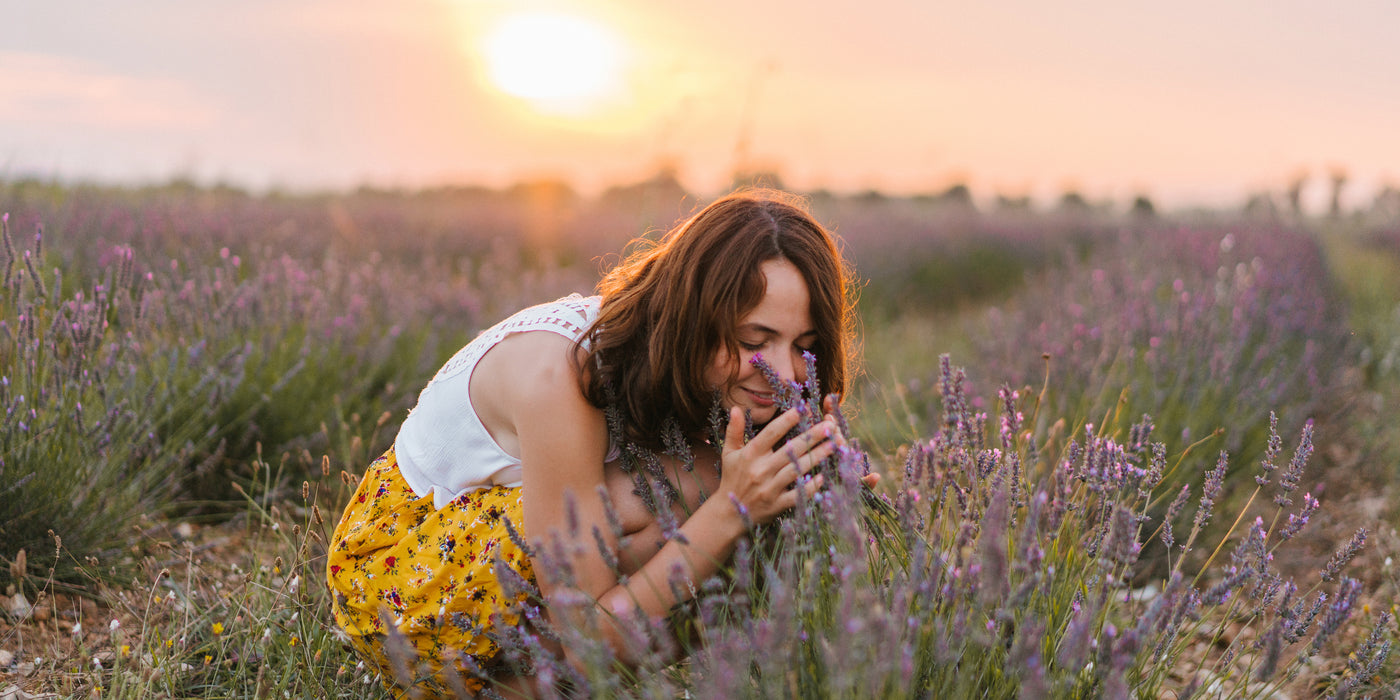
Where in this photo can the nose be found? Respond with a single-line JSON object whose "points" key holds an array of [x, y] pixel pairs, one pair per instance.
{"points": [[788, 365]]}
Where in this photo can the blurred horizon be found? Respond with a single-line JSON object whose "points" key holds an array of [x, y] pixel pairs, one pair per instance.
{"points": [[1188, 105]]}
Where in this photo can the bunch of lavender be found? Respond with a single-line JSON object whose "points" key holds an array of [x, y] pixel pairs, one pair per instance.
{"points": [[88, 444], [1038, 556], [1013, 571], [845, 467], [1205, 330], [290, 316]]}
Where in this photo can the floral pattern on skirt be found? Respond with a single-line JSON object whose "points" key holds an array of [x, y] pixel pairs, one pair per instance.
{"points": [[396, 558]]}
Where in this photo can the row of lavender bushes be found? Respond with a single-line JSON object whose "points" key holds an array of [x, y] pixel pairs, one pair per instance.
{"points": [[1208, 329], [1204, 327], [937, 259], [153, 343], [1006, 564]]}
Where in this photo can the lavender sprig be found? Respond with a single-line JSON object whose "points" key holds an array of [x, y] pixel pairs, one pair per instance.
{"points": [[1337, 613], [1288, 483], [1344, 555], [1172, 512], [1271, 450]]}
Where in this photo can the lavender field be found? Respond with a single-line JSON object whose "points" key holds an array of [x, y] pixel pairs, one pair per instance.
{"points": [[1124, 454]]}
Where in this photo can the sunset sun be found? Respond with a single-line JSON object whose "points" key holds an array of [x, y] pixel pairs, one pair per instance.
{"points": [[556, 62]]}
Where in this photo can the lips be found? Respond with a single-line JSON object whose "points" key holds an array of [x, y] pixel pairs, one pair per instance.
{"points": [[763, 399]]}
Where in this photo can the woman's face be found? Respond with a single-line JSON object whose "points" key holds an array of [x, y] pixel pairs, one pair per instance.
{"points": [[779, 328]]}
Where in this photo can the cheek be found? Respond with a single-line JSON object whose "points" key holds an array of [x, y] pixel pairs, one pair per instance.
{"points": [[727, 370], [717, 376]]}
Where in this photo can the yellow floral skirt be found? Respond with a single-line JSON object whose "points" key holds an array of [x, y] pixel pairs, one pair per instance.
{"points": [[397, 560]]}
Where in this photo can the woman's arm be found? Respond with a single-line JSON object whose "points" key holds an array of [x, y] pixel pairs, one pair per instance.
{"points": [[563, 442]]}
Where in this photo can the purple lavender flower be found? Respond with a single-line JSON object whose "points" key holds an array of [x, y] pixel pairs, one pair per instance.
{"points": [[1271, 451], [786, 394], [1172, 512], [1297, 521], [1344, 555], [1215, 481], [1291, 476], [1273, 650], [1337, 613], [1223, 589], [1299, 623]]}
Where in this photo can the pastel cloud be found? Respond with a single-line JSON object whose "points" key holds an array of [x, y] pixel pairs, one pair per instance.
{"points": [[60, 91]]}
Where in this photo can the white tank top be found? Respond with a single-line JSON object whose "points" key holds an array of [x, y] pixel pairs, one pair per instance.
{"points": [[443, 448]]}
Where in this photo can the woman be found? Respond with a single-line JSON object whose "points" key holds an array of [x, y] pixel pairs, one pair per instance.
{"points": [[514, 431]]}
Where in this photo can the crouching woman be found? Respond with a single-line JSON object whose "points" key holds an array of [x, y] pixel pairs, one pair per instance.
{"points": [[513, 433]]}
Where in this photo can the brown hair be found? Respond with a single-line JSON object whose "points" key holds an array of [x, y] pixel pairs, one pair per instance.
{"points": [[668, 309]]}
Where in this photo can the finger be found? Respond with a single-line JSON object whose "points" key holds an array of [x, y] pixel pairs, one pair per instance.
{"points": [[734, 432], [870, 479], [835, 432], [819, 433], [814, 458], [805, 463], [809, 489], [829, 402], [768, 438]]}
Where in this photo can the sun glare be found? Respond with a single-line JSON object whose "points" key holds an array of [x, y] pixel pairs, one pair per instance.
{"points": [[558, 63]]}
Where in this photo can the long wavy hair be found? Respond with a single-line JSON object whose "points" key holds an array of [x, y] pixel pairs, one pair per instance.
{"points": [[669, 308]]}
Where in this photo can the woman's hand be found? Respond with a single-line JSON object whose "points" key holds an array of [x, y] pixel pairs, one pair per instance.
{"points": [[759, 475]]}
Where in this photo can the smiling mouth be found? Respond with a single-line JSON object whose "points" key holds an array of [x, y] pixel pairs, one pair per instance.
{"points": [[764, 399]]}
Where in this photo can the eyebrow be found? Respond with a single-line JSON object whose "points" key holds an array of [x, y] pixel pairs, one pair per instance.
{"points": [[769, 331]]}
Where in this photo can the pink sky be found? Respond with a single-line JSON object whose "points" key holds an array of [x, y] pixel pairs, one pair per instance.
{"points": [[1189, 102]]}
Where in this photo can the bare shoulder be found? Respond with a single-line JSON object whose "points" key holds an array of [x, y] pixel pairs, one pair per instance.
{"points": [[526, 378], [531, 357]]}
